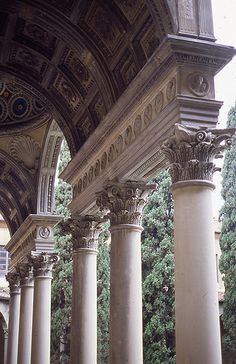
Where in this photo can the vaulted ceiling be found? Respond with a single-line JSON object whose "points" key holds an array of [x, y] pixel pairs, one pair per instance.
{"points": [[78, 55], [69, 61]]}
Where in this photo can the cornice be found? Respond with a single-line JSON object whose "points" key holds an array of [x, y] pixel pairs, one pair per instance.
{"points": [[174, 51]]}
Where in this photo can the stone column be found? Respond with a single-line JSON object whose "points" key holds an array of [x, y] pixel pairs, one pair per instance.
{"points": [[42, 268], [26, 313], [191, 153], [5, 345], [125, 202], [85, 231], [14, 316]]}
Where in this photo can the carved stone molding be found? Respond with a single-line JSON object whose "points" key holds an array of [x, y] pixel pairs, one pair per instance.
{"points": [[13, 279], [125, 201], [121, 142], [84, 230], [25, 273], [191, 151], [43, 264]]}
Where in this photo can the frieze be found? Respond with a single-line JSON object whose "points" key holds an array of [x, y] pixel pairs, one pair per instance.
{"points": [[131, 133]]}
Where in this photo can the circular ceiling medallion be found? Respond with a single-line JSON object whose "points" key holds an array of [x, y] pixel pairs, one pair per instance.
{"points": [[19, 107]]}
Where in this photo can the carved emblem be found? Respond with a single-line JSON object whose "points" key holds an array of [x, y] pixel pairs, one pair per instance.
{"points": [[198, 84], [44, 232]]}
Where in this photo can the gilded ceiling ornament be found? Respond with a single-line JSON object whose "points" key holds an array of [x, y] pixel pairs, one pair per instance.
{"points": [[191, 151], [124, 201], [26, 150]]}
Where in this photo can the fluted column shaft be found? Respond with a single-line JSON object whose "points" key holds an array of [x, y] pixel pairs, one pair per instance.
{"points": [[85, 231], [26, 313], [125, 202], [43, 265], [191, 153], [14, 316]]}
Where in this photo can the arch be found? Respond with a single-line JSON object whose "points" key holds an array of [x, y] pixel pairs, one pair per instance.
{"points": [[48, 168], [17, 192]]}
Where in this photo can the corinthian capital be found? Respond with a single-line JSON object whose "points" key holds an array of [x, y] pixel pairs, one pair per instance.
{"points": [[25, 273], [84, 230], [43, 263], [191, 152], [124, 201], [13, 279]]}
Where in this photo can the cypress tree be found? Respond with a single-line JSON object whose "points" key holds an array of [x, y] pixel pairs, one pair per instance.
{"points": [[228, 241], [62, 274], [158, 275]]}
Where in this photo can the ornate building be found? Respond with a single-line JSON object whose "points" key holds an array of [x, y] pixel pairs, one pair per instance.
{"points": [[130, 85]]}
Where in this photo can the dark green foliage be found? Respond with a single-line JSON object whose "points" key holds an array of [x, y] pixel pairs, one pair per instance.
{"points": [[158, 275], [62, 275], [228, 241], [103, 296]]}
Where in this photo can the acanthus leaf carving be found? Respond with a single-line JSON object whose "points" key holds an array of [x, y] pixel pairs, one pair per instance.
{"points": [[124, 201], [84, 231], [191, 151]]}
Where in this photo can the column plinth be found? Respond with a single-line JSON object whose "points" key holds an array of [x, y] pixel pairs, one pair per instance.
{"points": [[85, 231], [26, 313], [14, 316], [191, 154], [125, 202], [42, 270]]}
